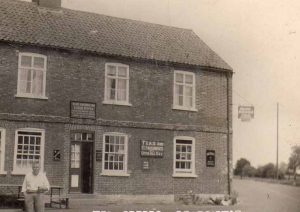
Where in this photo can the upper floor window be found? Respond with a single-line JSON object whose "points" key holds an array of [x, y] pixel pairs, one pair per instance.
{"points": [[29, 147], [116, 84], [115, 154], [184, 90], [32, 75], [2, 150], [184, 157]]}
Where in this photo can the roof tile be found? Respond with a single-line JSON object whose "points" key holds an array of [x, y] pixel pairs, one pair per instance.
{"points": [[25, 22]]}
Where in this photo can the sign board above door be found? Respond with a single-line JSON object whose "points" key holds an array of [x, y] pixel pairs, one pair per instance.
{"points": [[83, 110]]}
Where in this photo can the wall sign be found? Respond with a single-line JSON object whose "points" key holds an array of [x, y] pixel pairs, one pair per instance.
{"points": [[152, 149], [210, 158], [145, 165], [83, 110], [99, 155], [56, 155]]}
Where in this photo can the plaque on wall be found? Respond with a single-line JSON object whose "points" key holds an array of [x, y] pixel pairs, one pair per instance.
{"points": [[210, 158], [99, 155], [145, 165], [152, 149], [56, 155], [83, 110]]}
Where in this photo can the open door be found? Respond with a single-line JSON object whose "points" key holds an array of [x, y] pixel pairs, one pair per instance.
{"points": [[81, 163]]}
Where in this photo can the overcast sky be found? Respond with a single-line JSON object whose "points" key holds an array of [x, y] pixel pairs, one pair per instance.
{"points": [[259, 39]]}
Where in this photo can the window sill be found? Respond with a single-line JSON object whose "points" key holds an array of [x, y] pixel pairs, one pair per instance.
{"points": [[185, 175], [184, 108], [107, 102], [3, 172], [18, 173], [115, 174], [30, 96]]}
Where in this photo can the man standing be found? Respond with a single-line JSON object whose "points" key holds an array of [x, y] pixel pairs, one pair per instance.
{"points": [[34, 186]]}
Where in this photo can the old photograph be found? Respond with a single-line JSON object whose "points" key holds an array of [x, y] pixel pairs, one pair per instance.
{"points": [[149, 106]]}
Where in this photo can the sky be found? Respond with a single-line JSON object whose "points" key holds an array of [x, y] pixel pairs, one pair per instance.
{"points": [[258, 39]]}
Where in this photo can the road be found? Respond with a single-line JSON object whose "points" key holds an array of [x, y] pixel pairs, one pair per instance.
{"points": [[255, 196]]}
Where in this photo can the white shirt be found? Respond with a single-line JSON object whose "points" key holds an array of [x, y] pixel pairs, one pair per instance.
{"points": [[32, 182]]}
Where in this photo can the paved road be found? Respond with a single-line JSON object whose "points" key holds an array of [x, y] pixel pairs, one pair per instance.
{"points": [[258, 196]]}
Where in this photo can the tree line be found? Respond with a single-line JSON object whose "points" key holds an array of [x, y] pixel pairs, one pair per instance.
{"points": [[243, 167]]}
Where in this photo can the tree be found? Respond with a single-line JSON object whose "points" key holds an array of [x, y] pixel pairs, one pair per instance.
{"points": [[249, 171], [294, 160], [240, 165], [269, 171]]}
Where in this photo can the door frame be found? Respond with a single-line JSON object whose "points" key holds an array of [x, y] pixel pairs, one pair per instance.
{"points": [[92, 160]]}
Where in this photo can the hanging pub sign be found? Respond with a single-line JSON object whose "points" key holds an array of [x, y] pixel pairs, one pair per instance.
{"points": [[210, 158], [152, 149], [245, 113], [83, 110]]}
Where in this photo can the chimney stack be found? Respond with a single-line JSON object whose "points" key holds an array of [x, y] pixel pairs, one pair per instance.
{"points": [[53, 4]]}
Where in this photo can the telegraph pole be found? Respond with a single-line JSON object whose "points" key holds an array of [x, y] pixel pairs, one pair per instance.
{"points": [[277, 141]]}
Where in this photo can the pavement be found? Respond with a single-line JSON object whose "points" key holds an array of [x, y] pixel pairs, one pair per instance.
{"points": [[254, 196]]}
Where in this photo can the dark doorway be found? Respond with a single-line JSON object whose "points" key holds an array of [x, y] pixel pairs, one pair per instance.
{"points": [[81, 162], [87, 167]]}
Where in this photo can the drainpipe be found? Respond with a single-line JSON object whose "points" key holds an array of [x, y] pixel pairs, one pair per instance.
{"points": [[229, 99]]}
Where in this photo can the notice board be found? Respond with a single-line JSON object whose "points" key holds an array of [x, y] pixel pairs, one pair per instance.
{"points": [[152, 149]]}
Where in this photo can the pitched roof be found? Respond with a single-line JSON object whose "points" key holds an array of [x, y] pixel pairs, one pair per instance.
{"points": [[25, 22]]}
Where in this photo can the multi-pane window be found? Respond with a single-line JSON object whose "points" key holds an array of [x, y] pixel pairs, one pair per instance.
{"points": [[2, 150], [32, 75], [115, 154], [184, 159], [29, 148], [116, 83], [75, 156], [184, 90]]}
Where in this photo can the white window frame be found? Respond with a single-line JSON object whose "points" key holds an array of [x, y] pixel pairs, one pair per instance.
{"points": [[123, 172], [184, 107], [2, 151], [31, 95], [180, 173], [18, 171], [116, 102]]}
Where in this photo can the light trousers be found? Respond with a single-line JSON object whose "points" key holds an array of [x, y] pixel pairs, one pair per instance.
{"points": [[34, 202]]}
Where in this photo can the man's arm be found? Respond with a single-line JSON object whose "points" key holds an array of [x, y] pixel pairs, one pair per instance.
{"points": [[45, 186]]}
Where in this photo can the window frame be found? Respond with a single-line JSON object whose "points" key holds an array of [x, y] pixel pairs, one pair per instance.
{"points": [[123, 172], [18, 171], [2, 151], [176, 172], [116, 102], [31, 95], [184, 107]]}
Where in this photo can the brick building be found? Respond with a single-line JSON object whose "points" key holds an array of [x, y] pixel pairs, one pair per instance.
{"points": [[111, 105]]}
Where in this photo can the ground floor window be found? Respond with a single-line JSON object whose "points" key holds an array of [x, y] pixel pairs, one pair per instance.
{"points": [[29, 147], [114, 154], [2, 150], [184, 156]]}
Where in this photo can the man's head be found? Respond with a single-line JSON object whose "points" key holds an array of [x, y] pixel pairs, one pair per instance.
{"points": [[35, 168]]}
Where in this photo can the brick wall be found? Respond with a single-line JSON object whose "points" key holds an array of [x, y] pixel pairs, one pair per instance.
{"points": [[77, 76], [74, 76]]}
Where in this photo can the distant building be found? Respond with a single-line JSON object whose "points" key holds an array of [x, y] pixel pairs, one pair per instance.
{"points": [[111, 105]]}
